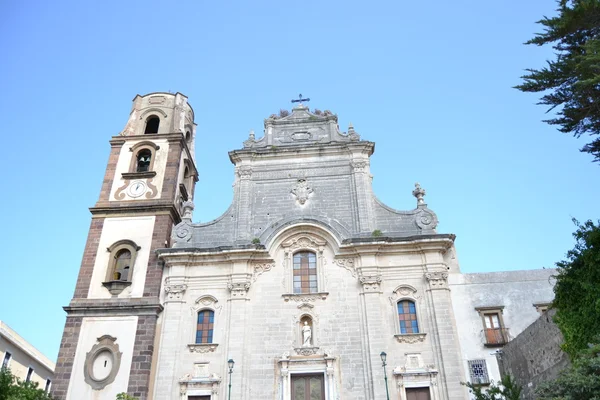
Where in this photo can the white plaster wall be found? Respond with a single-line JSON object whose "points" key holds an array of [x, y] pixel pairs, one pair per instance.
{"points": [[123, 328], [515, 290], [124, 162], [137, 229]]}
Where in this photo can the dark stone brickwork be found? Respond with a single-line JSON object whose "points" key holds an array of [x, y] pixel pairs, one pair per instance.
{"points": [[111, 168], [89, 257], [143, 349], [172, 170], [535, 356], [162, 232], [66, 355]]}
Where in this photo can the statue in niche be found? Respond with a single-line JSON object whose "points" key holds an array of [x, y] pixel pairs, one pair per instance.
{"points": [[306, 334]]}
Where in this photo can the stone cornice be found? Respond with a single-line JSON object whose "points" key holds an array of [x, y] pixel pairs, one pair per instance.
{"points": [[139, 207], [186, 256], [384, 245], [102, 308], [304, 150]]}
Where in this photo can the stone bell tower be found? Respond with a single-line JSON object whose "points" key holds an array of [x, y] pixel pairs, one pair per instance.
{"points": [[108, 342]]}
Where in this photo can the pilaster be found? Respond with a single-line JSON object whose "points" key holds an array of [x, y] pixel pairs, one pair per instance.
{"points": [[445, 336]]}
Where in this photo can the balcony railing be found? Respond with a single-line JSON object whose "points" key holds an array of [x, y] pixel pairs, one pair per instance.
{"points": [[496, 336]]}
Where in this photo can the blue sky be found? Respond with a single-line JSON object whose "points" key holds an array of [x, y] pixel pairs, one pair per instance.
{"points": [[430, 83]]}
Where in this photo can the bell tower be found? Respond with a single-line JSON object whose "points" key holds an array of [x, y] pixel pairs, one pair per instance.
{"points": [[108, 341]]}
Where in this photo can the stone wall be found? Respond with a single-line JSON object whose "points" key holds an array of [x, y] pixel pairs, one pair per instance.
{"points": [[535, 356]]}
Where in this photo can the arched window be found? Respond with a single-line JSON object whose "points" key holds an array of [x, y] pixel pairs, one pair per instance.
{"points": [[407, 315], [188, 136], [143, 160], [305, 272], [152, 124], [204, 330], [122, 265]]}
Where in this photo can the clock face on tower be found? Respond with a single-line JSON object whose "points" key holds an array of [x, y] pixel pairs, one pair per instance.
{"points": [[136, 189]]}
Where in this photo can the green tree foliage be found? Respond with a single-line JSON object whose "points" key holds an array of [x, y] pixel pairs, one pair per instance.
{"points": [[577, 290], [572, 80], [125, 396], [506, 390], [581, 381], [12, 388]]}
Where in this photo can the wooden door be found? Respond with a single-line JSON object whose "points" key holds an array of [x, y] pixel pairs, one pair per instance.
{"points": [[421, 393], [308, 387]]}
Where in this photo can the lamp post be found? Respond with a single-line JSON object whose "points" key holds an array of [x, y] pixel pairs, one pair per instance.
{"points": [[383, 356], [231, 363]]}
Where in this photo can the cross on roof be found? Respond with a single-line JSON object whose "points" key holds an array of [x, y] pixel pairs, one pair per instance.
{"points": [[300, 99]]}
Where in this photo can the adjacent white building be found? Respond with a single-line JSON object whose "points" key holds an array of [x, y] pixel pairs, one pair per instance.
{"points": [[24, 361], [491, 309]]}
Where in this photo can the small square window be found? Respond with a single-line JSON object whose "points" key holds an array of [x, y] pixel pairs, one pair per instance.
{"points": [[478, 371]]}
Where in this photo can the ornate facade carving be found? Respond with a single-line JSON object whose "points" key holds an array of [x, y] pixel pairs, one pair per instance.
{"points": [[302, 191], [346, 263], [175, 292], [305, 297], [437, 280], [259, 268], [306, 351], [359, 166], [238, 289], [411, 338], [202, 347], [371, 283], [244, 172]]}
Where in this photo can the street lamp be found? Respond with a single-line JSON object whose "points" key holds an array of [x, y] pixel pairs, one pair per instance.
{"points": [[231, 363], [383, 364]]}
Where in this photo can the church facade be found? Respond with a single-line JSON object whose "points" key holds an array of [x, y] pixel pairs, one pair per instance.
{"points": [[302, 289]]}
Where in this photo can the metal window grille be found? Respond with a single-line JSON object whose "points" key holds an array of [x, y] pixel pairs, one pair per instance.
{"points": [[479, 374]]}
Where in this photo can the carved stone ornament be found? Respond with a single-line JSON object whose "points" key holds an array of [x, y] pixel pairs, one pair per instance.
{"points": [[426, 219], [182, 233], [244, 172], [437, 280], [371, 283], [206, 300], [302, 191], [304, 242], [305, 297], [306, 351], [419, 193], [188, 382], [238, 289], [259, 268], [403, 291], [411, 338], [187, 208], [102, 363], [359, 166], [346, 263], [175, 291], [355, 137], [202, 347]]}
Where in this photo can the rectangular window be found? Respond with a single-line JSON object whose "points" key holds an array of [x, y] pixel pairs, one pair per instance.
{"points": [[305, 272], [6, 360], [48, 385], [205, 326], [479, 374], [421, 393], [29, 374], [494, 332]]}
